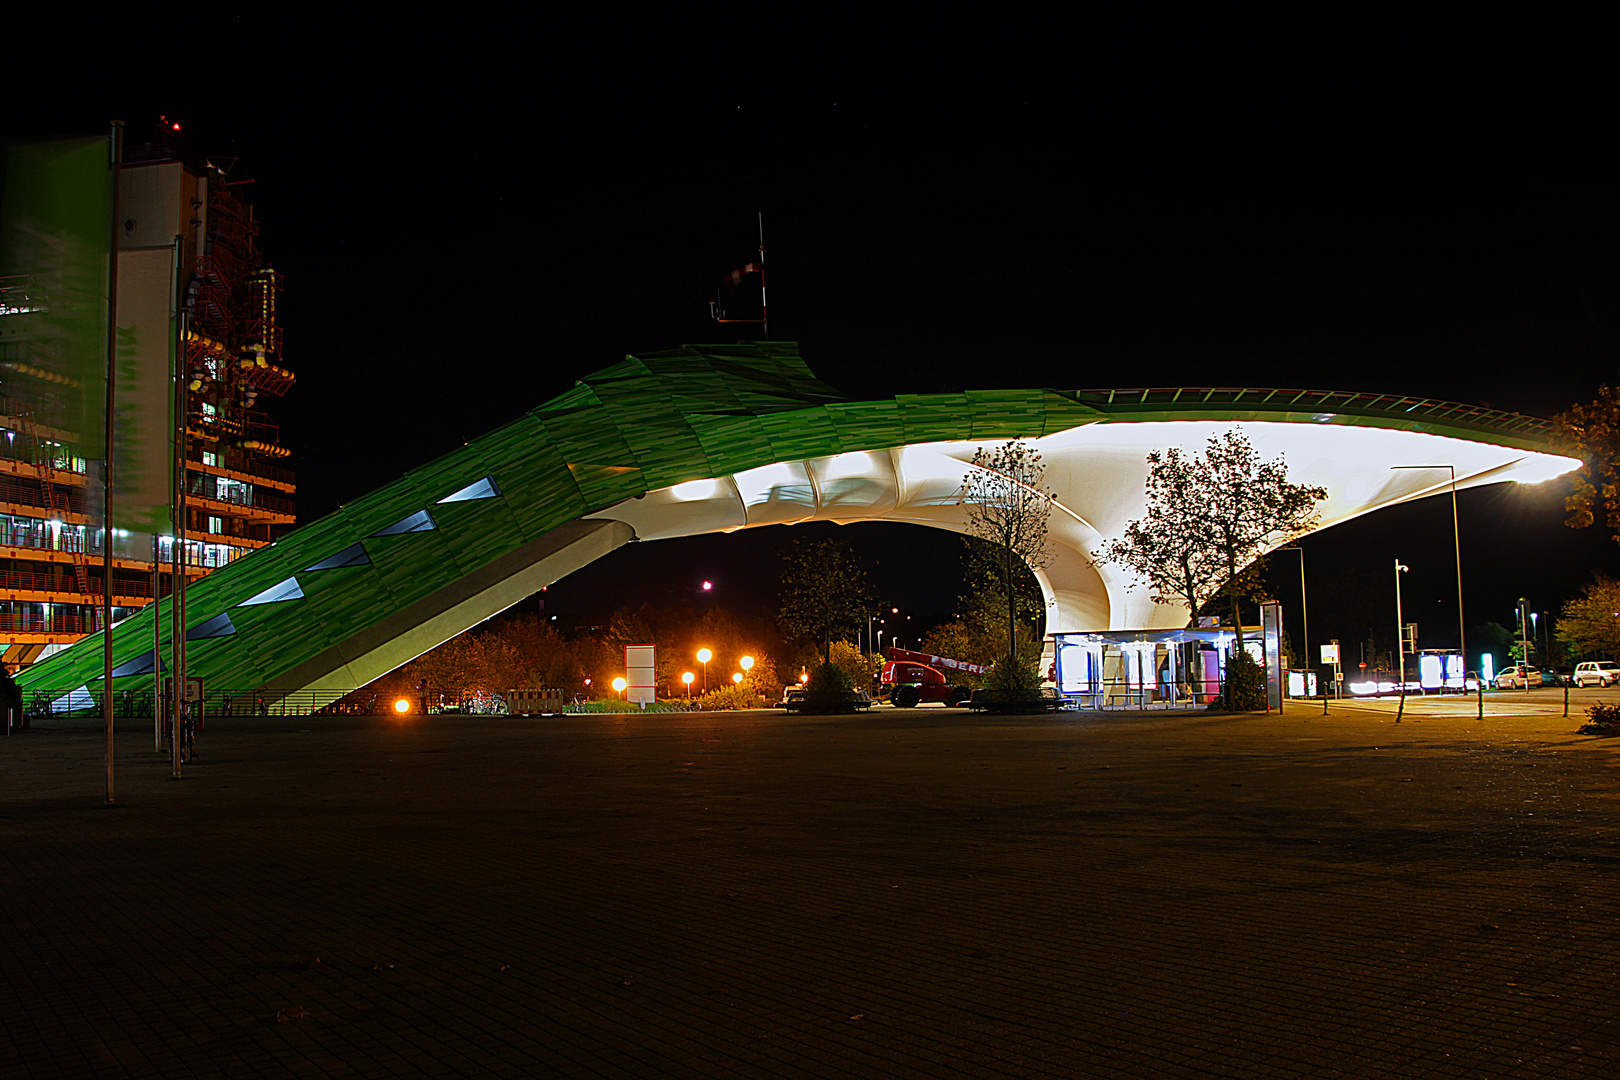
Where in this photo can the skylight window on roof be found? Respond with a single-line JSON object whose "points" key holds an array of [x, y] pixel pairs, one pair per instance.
{"points": [[141, 665], [286, 590], [481, 489], [219, 626], [421, 521], [353, 555]]}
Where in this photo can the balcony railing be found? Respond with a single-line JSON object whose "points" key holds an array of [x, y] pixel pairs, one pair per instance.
{"points": [[50, 624], [207, 486], [33, 581]]}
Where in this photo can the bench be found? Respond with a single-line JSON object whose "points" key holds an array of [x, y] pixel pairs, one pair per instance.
{"points": [[1047, 699]]}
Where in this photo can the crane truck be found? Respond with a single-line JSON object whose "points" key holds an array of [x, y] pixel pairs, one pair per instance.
{"points": [[910, 678]]}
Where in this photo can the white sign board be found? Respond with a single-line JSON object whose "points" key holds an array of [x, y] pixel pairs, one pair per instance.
{"points": [[639, 661], [1330, 653]]}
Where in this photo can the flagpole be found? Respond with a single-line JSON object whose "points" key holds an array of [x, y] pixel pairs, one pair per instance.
{"points": [[177, 465], [764, 314], [116, 147]]}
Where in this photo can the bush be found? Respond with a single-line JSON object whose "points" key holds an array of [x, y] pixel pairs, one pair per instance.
{"points": [[1013, 674], [829, 678], [828, 690], [741, 695], [619, 705], [1245, 683], [1602, 720]]}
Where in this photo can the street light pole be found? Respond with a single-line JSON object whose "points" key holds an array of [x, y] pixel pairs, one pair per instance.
{"points": [[1400, 626], [1456, 544], [1304, 610]]}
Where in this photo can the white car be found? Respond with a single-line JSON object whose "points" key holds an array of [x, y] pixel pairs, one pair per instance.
{"points": [[1597, 673], [1519, 677]]}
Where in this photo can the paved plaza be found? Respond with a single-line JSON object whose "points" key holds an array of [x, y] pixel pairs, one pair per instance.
{"points": [[921, 893]]}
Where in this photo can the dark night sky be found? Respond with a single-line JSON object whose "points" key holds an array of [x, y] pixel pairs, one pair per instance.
{"points": [[472, 212]]}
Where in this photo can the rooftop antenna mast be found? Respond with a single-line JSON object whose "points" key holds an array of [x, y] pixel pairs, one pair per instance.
{"points": [[731, 280]]}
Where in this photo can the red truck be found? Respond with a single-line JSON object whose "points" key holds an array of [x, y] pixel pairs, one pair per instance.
{"points": [[910, 678]]}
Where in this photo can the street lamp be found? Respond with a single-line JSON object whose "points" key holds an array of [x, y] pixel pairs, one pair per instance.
{"points": [[687, 677], [736, 677], [1400, 625], [1456, 544], [703, 657], [746, 663], [618, 686], [1304, 611]]}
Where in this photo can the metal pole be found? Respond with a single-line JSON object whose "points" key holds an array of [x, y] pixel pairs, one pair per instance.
{"points": [[1304, 609], [1456, 544], [177, 552], [764, 312], [157, 649], [1400, 640], [1524, 637], [116, 166]]}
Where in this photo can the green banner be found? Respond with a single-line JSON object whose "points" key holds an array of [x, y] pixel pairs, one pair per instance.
{"points": [[55, 212]]}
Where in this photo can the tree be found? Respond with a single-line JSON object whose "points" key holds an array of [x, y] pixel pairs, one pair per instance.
{"points": [[862, 668], [824, 591], [1592, 433], [1173, 548], [978, 634], [1008, 507], [1591, 622], [1210, 519]]}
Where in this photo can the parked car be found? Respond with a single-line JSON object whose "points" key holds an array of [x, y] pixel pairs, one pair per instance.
{"points": [[1519, 677], [1551, 676], [1597, 673]]}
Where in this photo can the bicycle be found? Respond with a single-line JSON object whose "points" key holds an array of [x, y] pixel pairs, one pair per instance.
{"points": [[188, 738]]}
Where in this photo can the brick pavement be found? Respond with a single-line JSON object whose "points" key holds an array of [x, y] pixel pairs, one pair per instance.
{"points": [[904, 894]]}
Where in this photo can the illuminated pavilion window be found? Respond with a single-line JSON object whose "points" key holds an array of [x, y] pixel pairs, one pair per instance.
{"points": [[353, 555], [285, 590], [481, 489], [421, 521]]}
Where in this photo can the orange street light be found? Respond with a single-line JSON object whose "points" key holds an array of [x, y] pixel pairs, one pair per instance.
{"points": [[618, 686], [736, 677], [704, 655], [747, 663], [687, 677]]}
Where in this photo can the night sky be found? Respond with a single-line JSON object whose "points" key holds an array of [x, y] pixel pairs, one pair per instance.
{"points": [[472, 211]]}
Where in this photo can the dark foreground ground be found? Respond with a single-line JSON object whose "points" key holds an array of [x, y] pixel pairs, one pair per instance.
{"points": [[920, 894]]}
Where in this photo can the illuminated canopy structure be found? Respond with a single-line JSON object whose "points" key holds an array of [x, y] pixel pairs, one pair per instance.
{"points": [[717, 438]]}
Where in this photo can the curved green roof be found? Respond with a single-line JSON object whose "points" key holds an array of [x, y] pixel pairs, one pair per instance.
{"points": [[448, 541]]}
